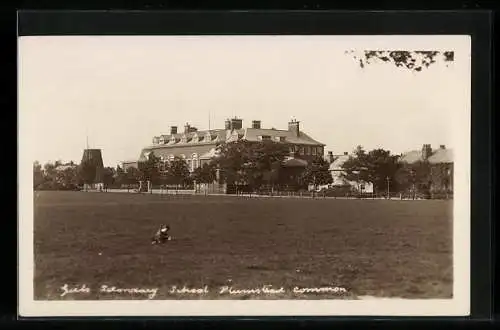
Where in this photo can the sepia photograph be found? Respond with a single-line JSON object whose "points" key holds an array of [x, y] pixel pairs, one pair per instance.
{"points": [[244, 175]]}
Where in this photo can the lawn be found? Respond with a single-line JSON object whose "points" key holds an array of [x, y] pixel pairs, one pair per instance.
{"points": [[368, 247]]}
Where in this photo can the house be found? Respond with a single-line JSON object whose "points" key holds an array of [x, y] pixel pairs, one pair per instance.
{"points": [[199, 147], [441, 166], [337, 172]]}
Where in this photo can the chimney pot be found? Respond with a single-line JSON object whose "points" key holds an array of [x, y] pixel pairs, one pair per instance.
{"points": [[173, 130], [255, 123]]}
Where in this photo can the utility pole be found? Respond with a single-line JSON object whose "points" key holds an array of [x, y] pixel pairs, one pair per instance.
{"points": [[388, 191]]}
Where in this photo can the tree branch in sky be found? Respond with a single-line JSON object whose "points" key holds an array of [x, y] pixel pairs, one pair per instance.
{"points": [[412, 60]]}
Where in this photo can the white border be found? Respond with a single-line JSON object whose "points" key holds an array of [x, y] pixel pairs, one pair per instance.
{"points": [[458, 306]]}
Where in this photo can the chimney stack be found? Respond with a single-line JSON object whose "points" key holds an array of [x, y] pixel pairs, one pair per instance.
{"points": [[330, 157], [256, 124], [173, 130], [186, 128], [227, 124], [293, 126], [346, 153], [236, 123], [426, 151]]}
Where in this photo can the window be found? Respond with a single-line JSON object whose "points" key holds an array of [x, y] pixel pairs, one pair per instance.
{"points": [[265, 137], [195, 162], [314, 151], [301, 150]]}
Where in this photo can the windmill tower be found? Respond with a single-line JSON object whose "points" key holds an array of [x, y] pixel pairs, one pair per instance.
{"points": [[93, 157]]}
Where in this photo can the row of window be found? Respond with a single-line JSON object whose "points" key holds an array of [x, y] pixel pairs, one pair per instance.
{"points": [[307, 150], [193, 162], [183, 139]]}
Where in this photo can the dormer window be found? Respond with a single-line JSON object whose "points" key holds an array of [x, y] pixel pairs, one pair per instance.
{"points": [[279, 138], [265, 137], [172, 140], [184, 139], [195, 138]]}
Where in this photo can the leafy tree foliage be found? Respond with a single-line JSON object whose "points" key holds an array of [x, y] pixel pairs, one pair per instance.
{"points": [[87, 172], [251, 163], [52, 177], [108, 177], [317, 172], [148, 170], [177, 172], [204, 174], [38, 175], [376, 166], [132, 175], [415, 178], [411, 60], [120, 177]]}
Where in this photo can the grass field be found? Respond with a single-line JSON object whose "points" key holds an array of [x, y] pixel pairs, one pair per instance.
{"points": [[369, 247]]}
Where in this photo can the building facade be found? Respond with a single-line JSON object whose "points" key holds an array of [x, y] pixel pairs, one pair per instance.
{"points": [[198, 147], [441, 166]]}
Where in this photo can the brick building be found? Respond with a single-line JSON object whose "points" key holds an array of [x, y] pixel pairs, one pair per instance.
{"points": [[441, 166], [197, 147]]}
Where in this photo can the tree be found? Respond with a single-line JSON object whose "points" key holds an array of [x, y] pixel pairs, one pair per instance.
{"points": [[231, 159], [108, 177], [132, 175], [67, 179], [415, 177], [38, 175], [411, 60], [204, 174], [178, 172], [317, 172], [87, 173], [251, 163], [375, 166], [148, 170], [120, 177]]}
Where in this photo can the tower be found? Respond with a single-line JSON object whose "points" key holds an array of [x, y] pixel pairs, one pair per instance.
{"points": [[93, 157]]}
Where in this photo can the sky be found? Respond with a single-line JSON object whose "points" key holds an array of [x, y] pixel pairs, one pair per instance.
{"points": [[118, 92]]}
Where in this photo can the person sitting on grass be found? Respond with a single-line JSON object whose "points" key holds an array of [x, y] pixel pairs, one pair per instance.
{"points": [[161, 235]]}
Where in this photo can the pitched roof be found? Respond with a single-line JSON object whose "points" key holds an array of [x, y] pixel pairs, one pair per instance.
{"points": [[441, 156], [438, 156], [252, 134]]}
